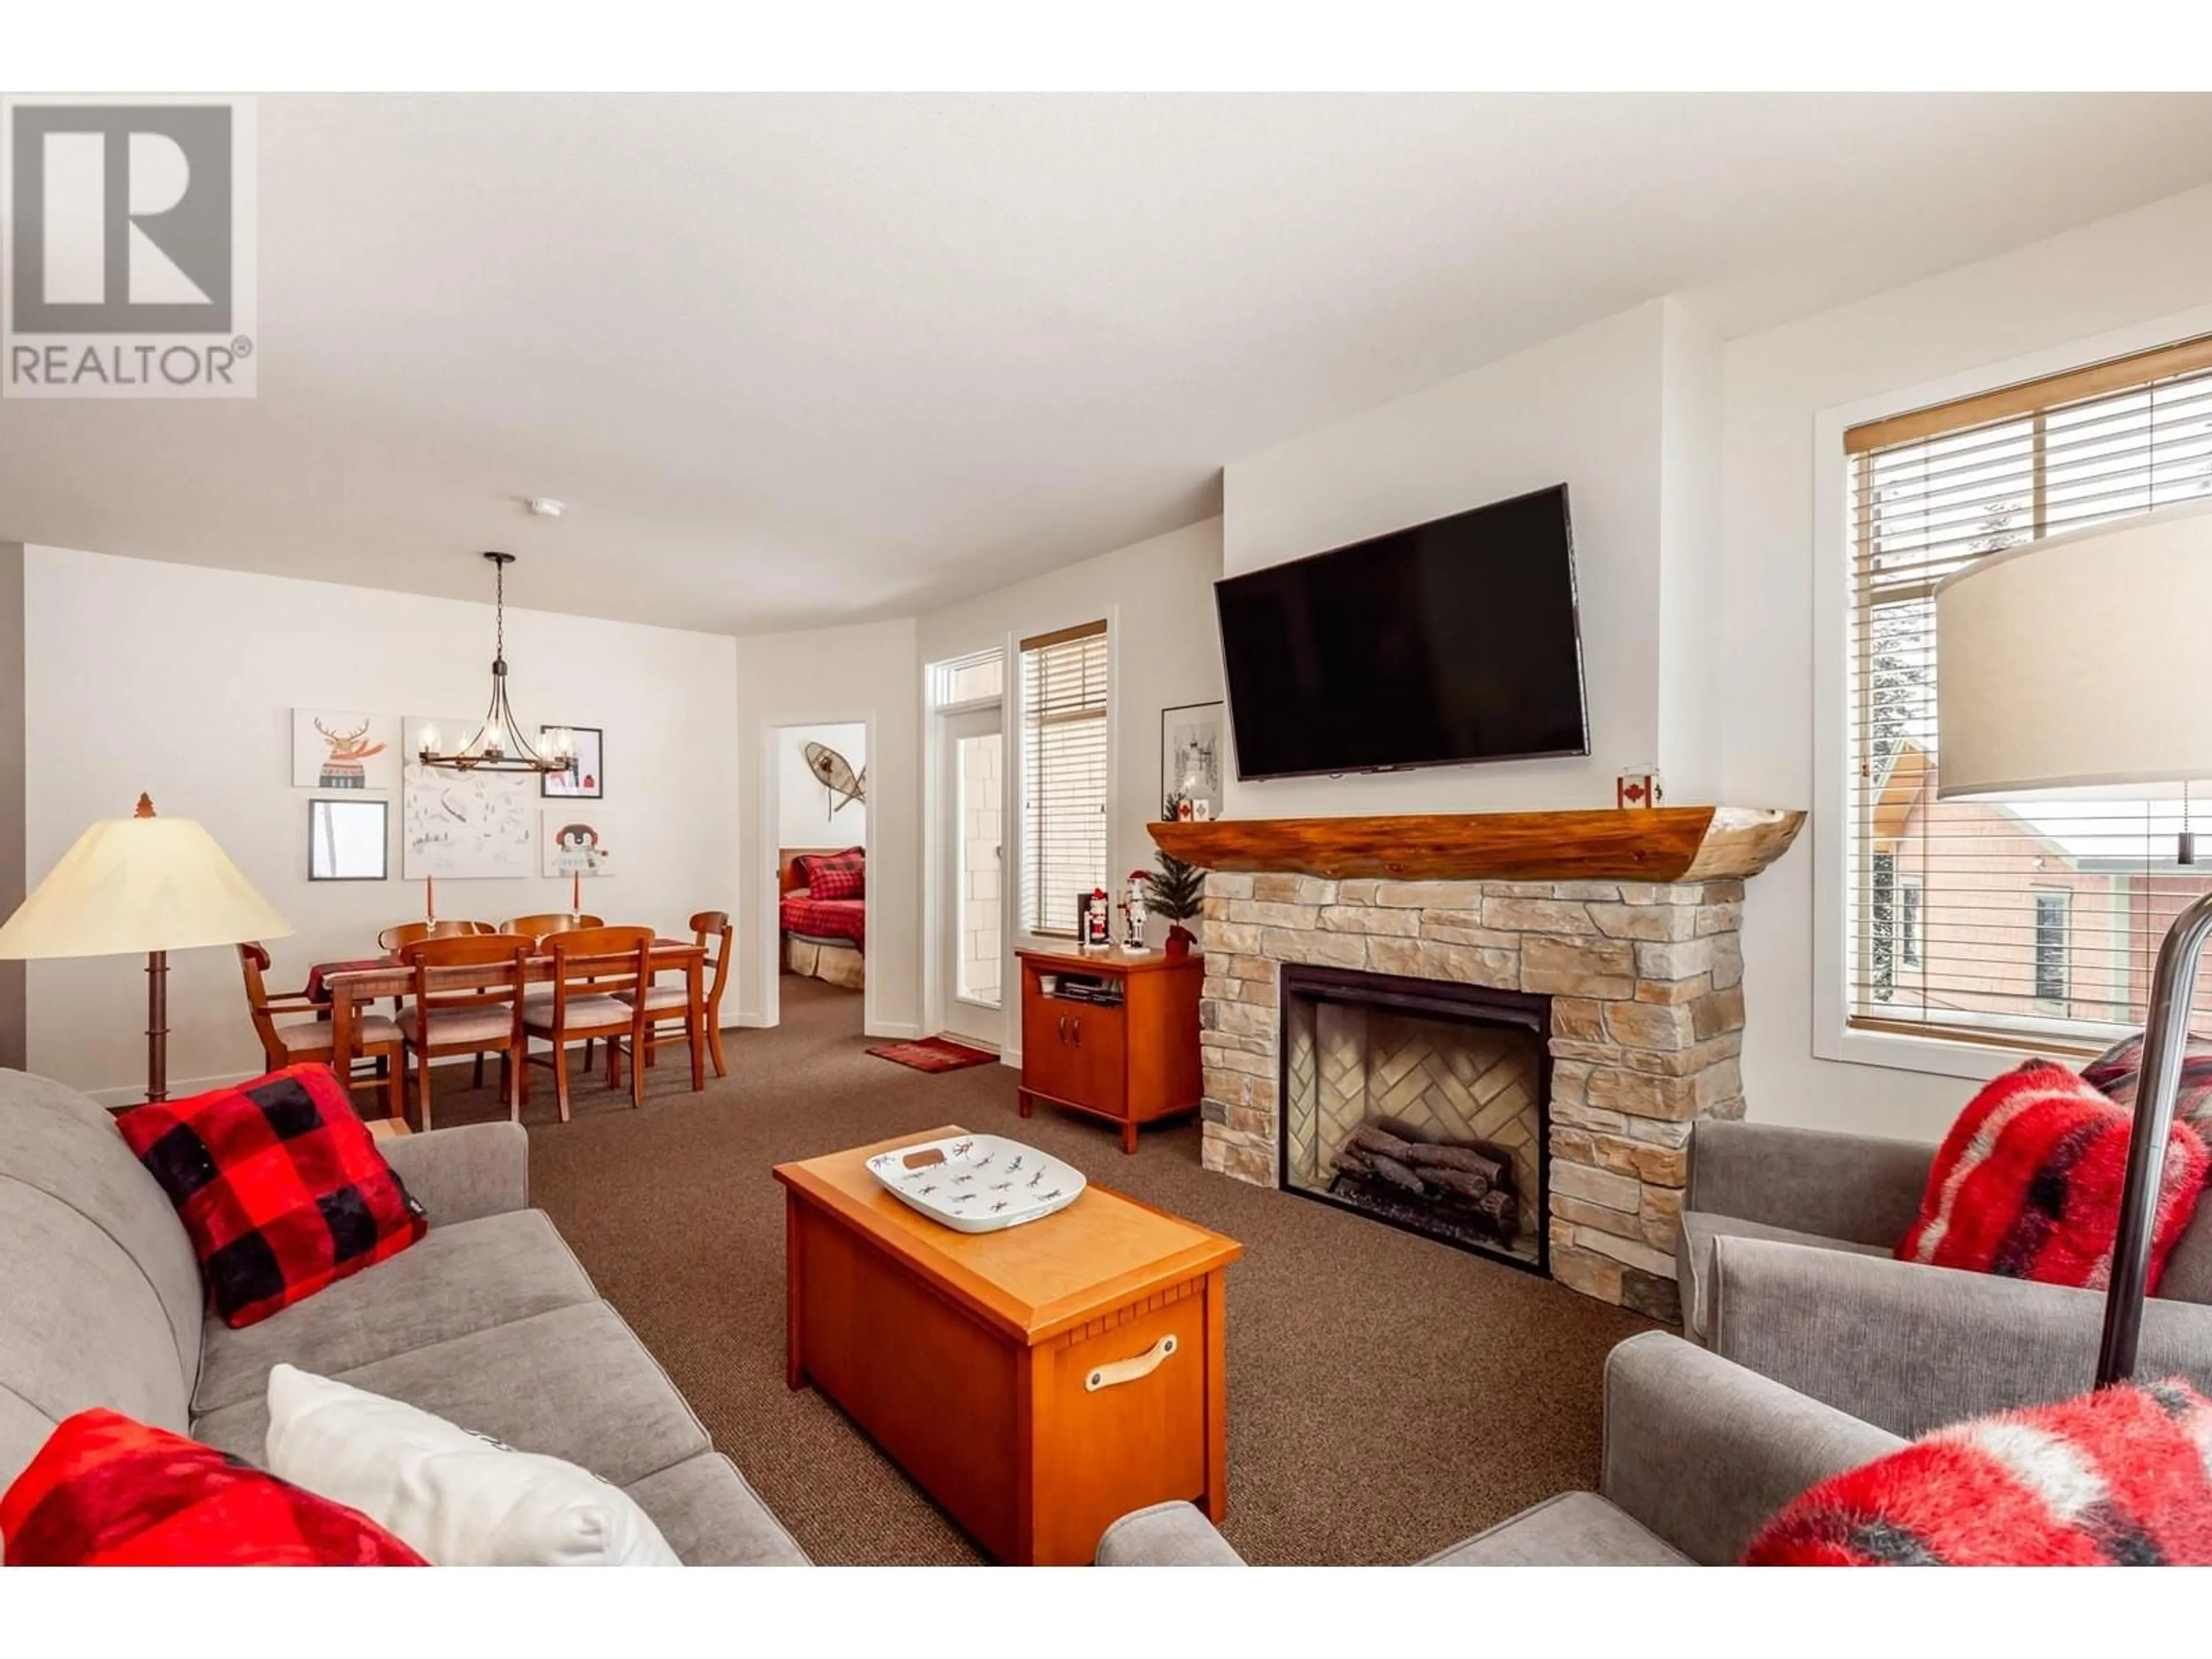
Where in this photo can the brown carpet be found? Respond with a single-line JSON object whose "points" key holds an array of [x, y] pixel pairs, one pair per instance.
{"points": [[1388, 1395]]}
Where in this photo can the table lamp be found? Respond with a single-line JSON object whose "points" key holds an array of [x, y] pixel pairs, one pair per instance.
{"points": [[2077, 663], [139, 884]]}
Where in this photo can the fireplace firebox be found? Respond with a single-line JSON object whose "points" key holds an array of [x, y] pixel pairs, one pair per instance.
{"points": [[1423, 1103]]}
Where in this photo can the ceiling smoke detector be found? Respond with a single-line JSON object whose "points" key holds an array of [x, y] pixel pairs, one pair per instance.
{"points": [[544, 507]]}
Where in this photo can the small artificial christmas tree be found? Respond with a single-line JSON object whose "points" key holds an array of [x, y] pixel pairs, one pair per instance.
{"points": [[1175, 890]]}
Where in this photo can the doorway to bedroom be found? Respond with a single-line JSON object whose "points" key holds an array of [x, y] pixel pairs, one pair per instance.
{"points": [[822, 874]]}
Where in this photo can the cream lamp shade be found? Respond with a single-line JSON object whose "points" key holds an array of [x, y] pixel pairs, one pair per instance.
{"points": [[2078, 662], [139, 885]]}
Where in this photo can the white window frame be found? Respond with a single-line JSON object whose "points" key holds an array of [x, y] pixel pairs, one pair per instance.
{"points": [[1833, 602], [941, 702], [1016, 870]]}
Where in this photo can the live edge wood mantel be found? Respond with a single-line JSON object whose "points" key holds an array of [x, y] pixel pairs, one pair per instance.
{"points": [[1657, 844]]}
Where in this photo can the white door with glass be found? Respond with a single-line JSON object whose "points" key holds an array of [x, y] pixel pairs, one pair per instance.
{"points": [[972, 944]]}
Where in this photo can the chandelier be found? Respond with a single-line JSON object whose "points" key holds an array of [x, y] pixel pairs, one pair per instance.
{"points": [[499, 744]]}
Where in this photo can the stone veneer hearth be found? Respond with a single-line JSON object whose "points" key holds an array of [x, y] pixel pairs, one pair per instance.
{"points": [[1646, 1028]]}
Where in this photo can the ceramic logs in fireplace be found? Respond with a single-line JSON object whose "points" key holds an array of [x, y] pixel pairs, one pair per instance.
{"points": [[1419, 1102], [1460, 1188]]}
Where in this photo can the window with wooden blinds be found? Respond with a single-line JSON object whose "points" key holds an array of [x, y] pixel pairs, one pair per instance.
{"points": [[1064, 729], [2034, 923]]}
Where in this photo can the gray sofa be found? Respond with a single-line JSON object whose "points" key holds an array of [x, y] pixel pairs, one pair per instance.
{"points": [[488, 1321], [1786, 1267], [1698, 1454]]}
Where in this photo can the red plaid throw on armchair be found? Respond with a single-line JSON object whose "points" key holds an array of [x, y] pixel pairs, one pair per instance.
{"points": [[280, 1185], [2027, 1183], [2119, 1068]]}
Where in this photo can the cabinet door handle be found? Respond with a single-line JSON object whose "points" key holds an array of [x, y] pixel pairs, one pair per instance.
{"points": [[1060, 1024], [1128, 1371], [1079, 1030]]}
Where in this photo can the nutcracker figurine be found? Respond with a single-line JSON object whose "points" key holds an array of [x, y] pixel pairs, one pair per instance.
{"points": [[1097, 920], [1132, 912]]}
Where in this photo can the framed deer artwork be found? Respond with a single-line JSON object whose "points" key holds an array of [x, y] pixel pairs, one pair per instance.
{"points": [[334, 749]]}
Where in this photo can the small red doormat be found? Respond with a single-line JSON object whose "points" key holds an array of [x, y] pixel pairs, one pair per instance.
{"points": [[935, 1054]]}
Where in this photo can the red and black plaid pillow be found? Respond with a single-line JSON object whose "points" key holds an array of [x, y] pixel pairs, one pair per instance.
{"points": [[106, 1491], [839, 875], [280, 1185]]}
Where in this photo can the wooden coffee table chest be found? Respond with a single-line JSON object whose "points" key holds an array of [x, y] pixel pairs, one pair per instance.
{"points": [[1038, 1382]]}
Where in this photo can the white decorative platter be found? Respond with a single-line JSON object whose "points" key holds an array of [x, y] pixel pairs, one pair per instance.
{"points": [[978, 1183]]}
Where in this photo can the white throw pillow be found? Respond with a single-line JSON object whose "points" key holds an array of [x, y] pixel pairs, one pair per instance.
{"points": [[462, 1499]]}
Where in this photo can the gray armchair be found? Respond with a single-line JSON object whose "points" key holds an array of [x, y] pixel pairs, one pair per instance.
{"points": [[1786, 1267], [1698, 1454]]}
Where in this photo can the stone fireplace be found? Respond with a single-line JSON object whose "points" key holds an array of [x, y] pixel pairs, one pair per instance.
{"points": [[1644, 1017], [1421, 1103]]}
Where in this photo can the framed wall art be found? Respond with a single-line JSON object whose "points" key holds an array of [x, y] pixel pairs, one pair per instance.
{"points": [[462, 826], [587, 776], [576, 842], [1191, 761], [335, 749], [347, 840]]}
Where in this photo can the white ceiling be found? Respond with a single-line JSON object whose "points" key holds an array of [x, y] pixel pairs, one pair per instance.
{"points": [[798, 359]]}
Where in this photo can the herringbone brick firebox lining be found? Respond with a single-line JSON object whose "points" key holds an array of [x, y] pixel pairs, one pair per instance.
{"points": [[1346, 1066]]}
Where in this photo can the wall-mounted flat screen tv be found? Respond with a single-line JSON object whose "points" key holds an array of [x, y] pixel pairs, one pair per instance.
{"points": [[1451, 642]]}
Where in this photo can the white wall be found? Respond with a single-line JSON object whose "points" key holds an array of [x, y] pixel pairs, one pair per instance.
{"points": [[804, 807], [181, 681], [1692, 705], [1157, 596], [867, 674], [1590, 409], [2122, 284]]}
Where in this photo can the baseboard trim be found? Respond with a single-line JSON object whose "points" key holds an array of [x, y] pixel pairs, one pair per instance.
{"points": [[898, 1030], [132, 1094]]}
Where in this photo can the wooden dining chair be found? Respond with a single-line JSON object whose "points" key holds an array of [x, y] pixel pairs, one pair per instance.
{"points": [[410, 932], [295, 1042], [550, 921], [546, 923], [473, 1020], [592, 967], [395, 938], [711, 931]]}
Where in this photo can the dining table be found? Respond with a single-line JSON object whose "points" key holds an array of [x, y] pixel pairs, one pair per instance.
{"points": [[351, 985]]}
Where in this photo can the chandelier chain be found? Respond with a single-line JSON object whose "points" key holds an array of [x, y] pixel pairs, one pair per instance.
{"points": [[499, 744]]}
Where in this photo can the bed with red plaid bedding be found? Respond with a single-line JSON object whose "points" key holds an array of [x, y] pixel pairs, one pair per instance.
{"points": [[835, 922]]}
